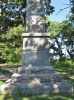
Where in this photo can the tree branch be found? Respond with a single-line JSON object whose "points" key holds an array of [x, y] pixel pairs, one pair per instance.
{"points": [[8, 24], [63, 9]]}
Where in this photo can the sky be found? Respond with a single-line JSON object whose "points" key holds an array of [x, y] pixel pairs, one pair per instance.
{"points": [[59, 4]]}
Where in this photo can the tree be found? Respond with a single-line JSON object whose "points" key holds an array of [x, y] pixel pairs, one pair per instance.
{"points": [[55, 39], [13, 12], [11, 45], [62, 36], [68, 34]]}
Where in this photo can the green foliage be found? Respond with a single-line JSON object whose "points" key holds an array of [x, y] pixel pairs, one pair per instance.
{"points": [[48, 8], [55, 30], [1, 82], [63, 63], [11, 45], [61, 36], [72, 5]]}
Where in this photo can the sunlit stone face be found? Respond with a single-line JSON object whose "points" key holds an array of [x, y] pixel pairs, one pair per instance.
{"points": [[35, 1]]}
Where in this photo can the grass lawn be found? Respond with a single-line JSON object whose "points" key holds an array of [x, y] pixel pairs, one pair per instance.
{"points": [[60, 96], [64, 67]]}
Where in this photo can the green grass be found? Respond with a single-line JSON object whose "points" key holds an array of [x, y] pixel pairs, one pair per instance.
{"points": [[64, 67], [1, 82], [60, 96]]}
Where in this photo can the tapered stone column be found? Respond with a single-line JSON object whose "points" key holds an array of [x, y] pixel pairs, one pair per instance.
{"points": [[35, 19]]}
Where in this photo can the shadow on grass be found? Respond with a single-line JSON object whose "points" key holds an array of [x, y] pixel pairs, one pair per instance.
{"points": [[2, 70], [59, 96], [66, 68], [5, 73], [67, 78], [10, 98]]}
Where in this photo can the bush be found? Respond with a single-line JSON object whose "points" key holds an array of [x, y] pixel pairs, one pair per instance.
{"points": [[11, 45]]}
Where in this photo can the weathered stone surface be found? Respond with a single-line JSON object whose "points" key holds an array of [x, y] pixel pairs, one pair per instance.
{"points": [[35, 1], [36, 88], [35, 19], [35, 50], [35, 23], [35, 9], [35, 78], [35, 69], [35, 58]]}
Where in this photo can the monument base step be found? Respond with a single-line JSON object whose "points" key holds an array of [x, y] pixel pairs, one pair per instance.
{"points": [[36, 88], [36, 78]]}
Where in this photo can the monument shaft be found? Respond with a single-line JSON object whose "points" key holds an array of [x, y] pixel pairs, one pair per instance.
{"points": [[35, 19]]}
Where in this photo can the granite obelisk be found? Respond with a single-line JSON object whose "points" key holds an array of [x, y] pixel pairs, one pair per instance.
{"points": [[36, 76]]}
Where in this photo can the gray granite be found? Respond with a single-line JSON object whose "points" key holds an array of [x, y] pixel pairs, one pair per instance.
{"points": [[36, 44], [37, 88], [35, 78], [35, 49], [35, 19], [35, 1], [35, 69], [35, 23], [34, 58], [35, 9]]}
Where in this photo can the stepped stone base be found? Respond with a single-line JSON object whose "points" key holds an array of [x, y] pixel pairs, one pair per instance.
{"points": [[38, 81], [37, 88]]}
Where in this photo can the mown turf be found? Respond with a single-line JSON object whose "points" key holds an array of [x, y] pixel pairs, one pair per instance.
{"points": [[60, 96]]}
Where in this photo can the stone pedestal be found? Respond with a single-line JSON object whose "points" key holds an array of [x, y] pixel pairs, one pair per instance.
{"points": [[35, 49]]}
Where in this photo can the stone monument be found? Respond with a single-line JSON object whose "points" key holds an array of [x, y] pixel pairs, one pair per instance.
{"points": [[36, 75]]}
